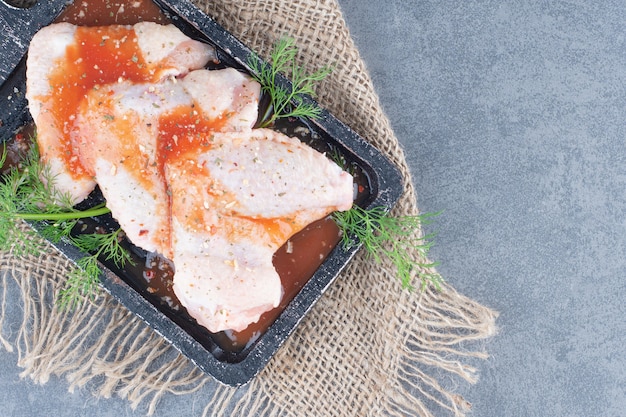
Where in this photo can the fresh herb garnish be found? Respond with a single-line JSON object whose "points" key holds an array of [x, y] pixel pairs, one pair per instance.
{"points": [[286, 101], [396, 238], [27, 192], [83, 281]]}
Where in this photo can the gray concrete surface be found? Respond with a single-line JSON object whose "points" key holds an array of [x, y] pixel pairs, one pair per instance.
{"points": [[512, 116]]}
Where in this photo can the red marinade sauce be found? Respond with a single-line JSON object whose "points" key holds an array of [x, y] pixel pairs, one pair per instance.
{"points": [[183, 130], [112, 12], [89, 64]]}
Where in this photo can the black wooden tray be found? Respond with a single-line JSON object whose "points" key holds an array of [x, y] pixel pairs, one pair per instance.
{"points": [[381, 179]]}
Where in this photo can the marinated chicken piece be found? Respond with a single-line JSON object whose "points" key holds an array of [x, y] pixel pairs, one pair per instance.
{"points": [[65, 62], [225, 96], [125, 130], [223, 284], [169, 52], [270, 175], [233, 204], [117, 144], [51, 113]]}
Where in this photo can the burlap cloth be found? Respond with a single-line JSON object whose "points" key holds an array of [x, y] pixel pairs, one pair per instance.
{"points": [[368, 348]]}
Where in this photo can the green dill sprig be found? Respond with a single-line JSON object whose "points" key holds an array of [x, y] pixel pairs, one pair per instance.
{"points": [[82, 282], [396, 238], [286, 102], [27, 192]]}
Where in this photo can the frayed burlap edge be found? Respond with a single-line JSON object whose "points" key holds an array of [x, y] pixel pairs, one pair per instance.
{"points": [[100, 344], [368, 348]]}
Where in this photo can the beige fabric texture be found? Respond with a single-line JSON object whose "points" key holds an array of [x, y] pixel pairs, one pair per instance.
{"points": [[368, 348]]}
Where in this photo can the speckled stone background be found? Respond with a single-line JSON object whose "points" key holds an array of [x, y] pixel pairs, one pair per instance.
{"points": [[512, 116]]}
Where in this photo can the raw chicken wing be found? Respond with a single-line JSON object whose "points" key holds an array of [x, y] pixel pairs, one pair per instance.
{"points": [[66, 61], [233, 205]]}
